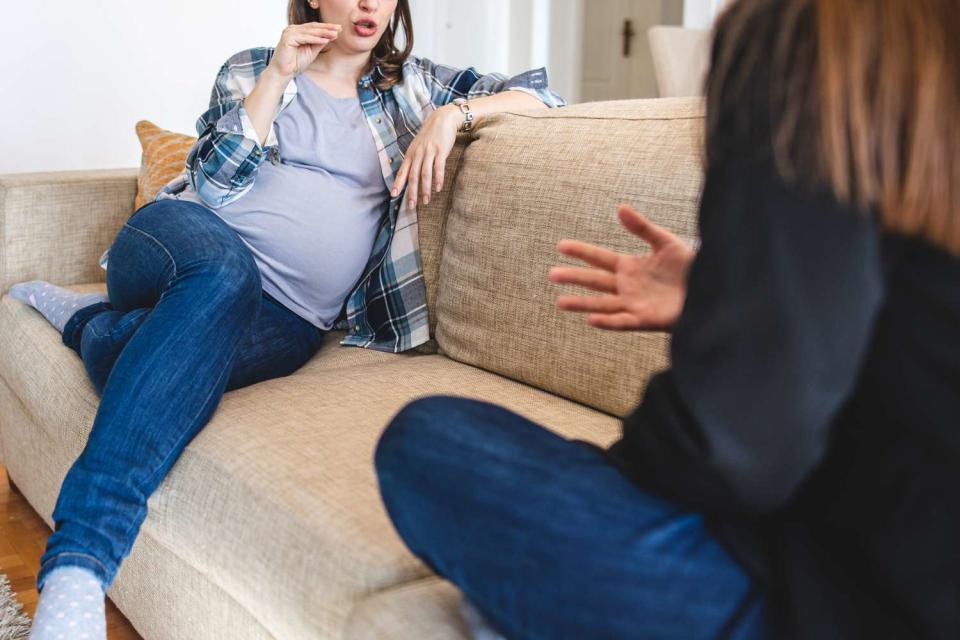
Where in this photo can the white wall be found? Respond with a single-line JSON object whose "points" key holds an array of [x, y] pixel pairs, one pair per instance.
{"points": [[699, 14], [78, 75]]}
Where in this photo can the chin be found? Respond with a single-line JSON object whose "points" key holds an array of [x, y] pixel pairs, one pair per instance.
{"points": [[352, 46]]}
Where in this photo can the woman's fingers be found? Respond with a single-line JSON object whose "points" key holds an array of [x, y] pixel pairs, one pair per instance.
{"points": [[401, 177], [311, 39], [439, 167], [595, 279], [614, 322], [426, 175], [413, 182], [639, 226], [589, 253], [594, 304], [319, 27], [322, 25]]}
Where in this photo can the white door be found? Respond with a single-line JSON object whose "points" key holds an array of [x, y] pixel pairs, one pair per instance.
{"points": [[617, 63]]}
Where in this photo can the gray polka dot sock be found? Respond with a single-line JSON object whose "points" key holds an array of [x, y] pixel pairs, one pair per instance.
{"points": [[477, 625], [55, 303], [71, 607]]}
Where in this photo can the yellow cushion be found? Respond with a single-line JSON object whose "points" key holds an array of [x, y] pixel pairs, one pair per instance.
{"points": [[164, 157]]}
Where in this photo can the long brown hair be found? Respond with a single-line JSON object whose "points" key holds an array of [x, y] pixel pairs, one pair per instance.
{"points": [[865, 101], [387, 56]]}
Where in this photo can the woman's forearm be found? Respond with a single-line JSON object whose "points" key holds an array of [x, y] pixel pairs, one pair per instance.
{"points": [[261, 104], [505, 101]]}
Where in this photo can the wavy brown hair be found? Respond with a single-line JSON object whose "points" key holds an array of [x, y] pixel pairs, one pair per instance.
{"points": [[865, 101], [387, 56]]}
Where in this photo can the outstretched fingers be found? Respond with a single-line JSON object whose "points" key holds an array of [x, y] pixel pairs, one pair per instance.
{"points": [[602, 281], [592, 304], [589, 253], [637, 224]]}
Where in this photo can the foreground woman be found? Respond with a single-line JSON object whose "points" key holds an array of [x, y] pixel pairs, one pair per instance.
{"points": [[794, 473]]}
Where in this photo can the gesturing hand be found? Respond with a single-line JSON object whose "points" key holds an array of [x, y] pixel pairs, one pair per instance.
{"points": [[640, 293], [299, 45], [426, 157]]}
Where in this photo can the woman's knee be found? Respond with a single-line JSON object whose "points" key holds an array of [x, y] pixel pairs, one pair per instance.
{"points": [[236, 277], [434, 424], [201, 246]]}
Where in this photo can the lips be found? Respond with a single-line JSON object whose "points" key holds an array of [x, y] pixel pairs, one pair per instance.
{"points": [[365, 28]]}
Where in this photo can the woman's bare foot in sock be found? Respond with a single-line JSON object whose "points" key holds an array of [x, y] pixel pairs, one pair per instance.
{"points": [[55, 303]]}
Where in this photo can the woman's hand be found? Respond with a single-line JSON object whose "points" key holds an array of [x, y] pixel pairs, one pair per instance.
{"points": [[640, 293], [299, 46], [427, 155]]}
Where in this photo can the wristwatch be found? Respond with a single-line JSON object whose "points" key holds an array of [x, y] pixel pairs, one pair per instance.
{"points": [[468, 116]]}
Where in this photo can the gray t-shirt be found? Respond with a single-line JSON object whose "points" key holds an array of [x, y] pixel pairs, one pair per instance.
{"points": [[311, 220]]}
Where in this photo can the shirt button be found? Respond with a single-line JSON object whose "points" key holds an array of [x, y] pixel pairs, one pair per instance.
{"points": [[379, 120]]}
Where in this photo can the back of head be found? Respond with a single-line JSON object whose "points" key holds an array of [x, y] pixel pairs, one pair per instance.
{"points": [[864, 100]]}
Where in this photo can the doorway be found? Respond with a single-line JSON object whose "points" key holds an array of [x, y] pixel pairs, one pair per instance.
{"points": [[617, 63]]}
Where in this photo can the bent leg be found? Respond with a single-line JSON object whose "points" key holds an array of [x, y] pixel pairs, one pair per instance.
{"points": [[547, 538], [166, 382], [278, 343]]}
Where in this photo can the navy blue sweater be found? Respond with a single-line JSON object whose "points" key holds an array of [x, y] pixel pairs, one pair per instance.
{"points": [[812, 410]]}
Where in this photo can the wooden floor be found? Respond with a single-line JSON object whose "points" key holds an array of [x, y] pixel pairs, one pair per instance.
{"points": [[23, 535]]}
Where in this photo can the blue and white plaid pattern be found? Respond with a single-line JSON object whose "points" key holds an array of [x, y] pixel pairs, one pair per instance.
{"points": [[387, 309]]}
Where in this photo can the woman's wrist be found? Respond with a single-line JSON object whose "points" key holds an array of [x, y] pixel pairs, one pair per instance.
{"points": [[271, 76], [452, 115]]}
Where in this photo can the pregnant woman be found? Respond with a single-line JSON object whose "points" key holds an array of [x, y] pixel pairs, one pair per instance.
{"points": [[296, 214]]}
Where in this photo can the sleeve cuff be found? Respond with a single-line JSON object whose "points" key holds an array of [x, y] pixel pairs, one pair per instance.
{"points": [[237, 122], [545, 96]]}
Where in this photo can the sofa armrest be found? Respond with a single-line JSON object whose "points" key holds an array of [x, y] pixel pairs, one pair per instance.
{"points": [[54, 226]]}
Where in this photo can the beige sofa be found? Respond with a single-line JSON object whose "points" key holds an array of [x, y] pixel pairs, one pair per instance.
{"points": [[271, 525]]}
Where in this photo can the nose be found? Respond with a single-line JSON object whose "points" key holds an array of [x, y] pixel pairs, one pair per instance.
{"points": [[369, 5]]}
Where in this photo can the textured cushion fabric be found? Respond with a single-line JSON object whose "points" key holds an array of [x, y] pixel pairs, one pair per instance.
{"points": [[54, 226], [163, 158], [432, 220], [428, 609], [527, 182], [275, 501]]}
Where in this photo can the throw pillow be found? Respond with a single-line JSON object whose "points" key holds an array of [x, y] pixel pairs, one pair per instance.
{"points": [[163, 159]]}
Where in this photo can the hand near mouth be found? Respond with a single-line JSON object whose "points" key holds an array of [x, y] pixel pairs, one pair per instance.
{"points": [[299, 46]]}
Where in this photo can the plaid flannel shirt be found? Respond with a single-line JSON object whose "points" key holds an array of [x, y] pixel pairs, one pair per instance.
{"points": [[387, 309]]}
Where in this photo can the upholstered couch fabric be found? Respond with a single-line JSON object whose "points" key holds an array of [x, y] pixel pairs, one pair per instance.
{"points": [[270, 525], [526, 183]]}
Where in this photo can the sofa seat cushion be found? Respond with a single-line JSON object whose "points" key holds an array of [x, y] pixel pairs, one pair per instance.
{"points": [[276, 499], [428, 609]]}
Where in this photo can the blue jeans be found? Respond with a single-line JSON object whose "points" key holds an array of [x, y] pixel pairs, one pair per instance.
{"points": [[547, 538], [187, 320]]}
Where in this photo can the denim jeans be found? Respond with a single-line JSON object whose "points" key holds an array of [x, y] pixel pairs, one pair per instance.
{"points": [[187, 320], [548, 539]]}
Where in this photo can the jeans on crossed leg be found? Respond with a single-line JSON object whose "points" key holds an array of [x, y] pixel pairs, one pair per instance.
{"points": [[548, 539], [187, 320]]}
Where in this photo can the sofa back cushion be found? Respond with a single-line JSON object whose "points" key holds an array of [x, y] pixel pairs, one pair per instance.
{"points": [[526, 182], [432, 229]]}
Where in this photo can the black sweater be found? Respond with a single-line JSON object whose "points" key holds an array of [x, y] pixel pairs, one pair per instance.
{"points": [[812, 411]]}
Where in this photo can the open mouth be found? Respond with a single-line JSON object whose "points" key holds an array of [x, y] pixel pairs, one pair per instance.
{"points": [[365, 28]]}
